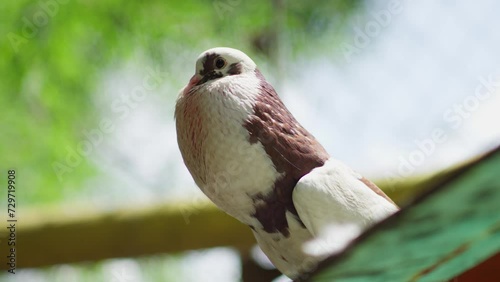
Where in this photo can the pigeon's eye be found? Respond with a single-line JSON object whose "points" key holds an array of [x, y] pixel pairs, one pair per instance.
{"points": [[220, 63]]}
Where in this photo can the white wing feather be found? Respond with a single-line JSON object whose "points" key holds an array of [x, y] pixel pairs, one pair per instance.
{"points": [[336, 206]]}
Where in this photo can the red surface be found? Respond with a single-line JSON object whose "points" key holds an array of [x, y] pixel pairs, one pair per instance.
{"points": [[488, 270]]}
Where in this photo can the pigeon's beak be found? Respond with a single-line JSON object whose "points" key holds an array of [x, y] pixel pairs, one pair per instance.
{"points": [[192, 82]]}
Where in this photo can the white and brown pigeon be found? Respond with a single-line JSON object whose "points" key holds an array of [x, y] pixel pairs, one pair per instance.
{"points": [[250, 156]]}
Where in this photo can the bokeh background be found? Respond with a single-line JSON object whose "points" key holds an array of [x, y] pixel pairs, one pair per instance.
{"points": [[373, 81]]}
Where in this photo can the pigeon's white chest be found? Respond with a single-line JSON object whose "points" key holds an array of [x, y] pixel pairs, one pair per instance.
{"points": [[231, 170], [215, 147]]}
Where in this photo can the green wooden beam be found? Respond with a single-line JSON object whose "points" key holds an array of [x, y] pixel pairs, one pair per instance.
{"points": [[451, 228]]}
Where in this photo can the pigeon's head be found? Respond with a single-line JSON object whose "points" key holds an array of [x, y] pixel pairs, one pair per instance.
{"points": [[220, 62]]}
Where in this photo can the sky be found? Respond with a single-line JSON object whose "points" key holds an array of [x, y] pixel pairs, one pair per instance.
{"points": [[419, 75]]}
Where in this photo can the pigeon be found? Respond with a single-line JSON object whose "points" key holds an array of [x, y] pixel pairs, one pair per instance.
{"points": [[251, 157]]}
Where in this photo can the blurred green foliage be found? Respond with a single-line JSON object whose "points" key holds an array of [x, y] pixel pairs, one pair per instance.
{"points": [[54, 53]]}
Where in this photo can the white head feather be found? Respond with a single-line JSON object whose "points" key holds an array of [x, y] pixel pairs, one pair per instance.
{"points": [[231, 56]]}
